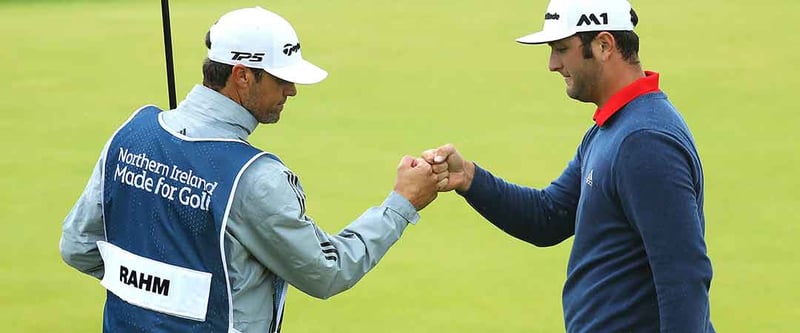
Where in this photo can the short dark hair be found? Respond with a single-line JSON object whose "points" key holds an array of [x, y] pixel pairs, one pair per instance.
{"points": [[216, 74], [626, 41]]}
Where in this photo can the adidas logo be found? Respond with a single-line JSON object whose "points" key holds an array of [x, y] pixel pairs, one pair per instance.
{"points": [[288, 49], [589, 178]]}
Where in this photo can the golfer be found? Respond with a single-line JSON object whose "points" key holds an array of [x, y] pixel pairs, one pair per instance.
{"points": [[632, 196], [192, 229]]}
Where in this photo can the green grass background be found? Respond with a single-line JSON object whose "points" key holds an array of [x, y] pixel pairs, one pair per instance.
{"points": [[406, 76]]}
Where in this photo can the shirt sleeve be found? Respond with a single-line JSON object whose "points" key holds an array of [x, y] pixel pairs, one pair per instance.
{"points": [[268, 218], [83, 227], [660, 187], [540, 217]]}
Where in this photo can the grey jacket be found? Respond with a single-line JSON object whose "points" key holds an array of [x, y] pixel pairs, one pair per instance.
{"points": [[269, 233]]}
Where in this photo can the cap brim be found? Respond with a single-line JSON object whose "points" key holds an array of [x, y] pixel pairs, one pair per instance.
{"points": [[544, 36], [301, 72]]}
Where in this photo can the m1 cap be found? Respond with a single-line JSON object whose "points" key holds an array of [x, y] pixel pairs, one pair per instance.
{"points": [[565, 18], [258, 38]]}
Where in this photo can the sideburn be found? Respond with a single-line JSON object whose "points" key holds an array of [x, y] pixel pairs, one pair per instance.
{"points": [[586, 49]]}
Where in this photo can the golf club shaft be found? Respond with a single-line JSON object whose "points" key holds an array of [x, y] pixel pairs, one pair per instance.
{"points": [[168, 53]]}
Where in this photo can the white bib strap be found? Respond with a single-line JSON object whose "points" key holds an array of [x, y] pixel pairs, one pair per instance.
{"points": [[155, 285]]}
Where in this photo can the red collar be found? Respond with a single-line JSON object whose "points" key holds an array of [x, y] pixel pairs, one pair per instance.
{"points": [[647, 84]]}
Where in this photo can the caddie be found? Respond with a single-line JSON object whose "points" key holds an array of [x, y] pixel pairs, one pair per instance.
{"points": [[192, 229]]}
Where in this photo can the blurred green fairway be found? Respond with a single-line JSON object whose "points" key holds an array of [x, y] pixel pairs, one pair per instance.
{"points": [[406, 76]]}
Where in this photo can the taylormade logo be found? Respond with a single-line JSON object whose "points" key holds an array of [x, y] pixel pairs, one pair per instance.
{"points": [[554, 16], [251, 57], [288, 49], [592, 19]]}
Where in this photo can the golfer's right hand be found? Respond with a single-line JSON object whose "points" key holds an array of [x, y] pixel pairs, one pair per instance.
{"points": [[446, 159], [417, 182]]}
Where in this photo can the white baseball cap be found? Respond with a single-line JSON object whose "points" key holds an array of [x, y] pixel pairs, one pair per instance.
{"points": [[258, 38], [565, 18]]}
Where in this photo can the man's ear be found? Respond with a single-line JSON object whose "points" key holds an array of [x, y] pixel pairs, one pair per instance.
{"points": [[606, 45], [240, 75]]}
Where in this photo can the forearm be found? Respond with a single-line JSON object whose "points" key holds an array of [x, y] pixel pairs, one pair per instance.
{"points": [[681, 269], [362, 244], [683, 296], [318, 263], [525, 213], [268, 218]]}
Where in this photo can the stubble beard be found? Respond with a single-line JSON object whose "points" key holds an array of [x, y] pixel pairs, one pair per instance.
{"points": [[584, 86], [270, 117]]}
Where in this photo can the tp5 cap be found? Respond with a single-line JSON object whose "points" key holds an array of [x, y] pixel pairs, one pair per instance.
{"points": [[258, 38]]}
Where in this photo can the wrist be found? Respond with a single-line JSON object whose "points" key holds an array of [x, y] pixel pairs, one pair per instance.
{"points": [[469, 174]]}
